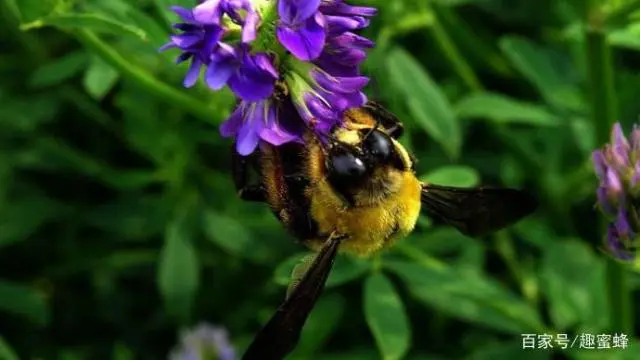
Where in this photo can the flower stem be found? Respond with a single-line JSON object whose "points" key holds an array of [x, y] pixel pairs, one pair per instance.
{"points": [[604, 115], [145, 80]]}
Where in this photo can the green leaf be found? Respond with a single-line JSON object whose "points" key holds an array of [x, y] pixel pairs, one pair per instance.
{"points": [[345, 269], [323, 320], [627, 37], [99, 78], [130, 217], [466, 295], [386, 317], [122, 352], [178, 271], [6, 352], [465, 253], [34, 9], [584, 134], [24, 301], [504, 110], [361, 353], [234, 237], [511, 350], [453, 175], [536, 232], [546, 70], [573, 279], [426, 103], [28, 114], [91, 21], [22, 218], [59, 70]]}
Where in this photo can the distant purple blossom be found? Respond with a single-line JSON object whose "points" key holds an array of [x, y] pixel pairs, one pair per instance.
{"points": [[204, 342], [317, 42], [617, 165]]}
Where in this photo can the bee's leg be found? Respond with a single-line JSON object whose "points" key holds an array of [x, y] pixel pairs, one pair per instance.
{"points": [[239, 170], [387, 119], [396, 131]]}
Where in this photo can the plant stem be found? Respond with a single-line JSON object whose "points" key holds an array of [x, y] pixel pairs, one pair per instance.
{"points": [[461, 67], [604, 115], [145, 80], [466, 73]]}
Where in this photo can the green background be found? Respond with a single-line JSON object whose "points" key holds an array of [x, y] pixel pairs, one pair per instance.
{"points": [[119, 224]]}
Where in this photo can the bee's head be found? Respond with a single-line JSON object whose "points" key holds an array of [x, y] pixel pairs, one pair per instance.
{"points": [[351, 165]]}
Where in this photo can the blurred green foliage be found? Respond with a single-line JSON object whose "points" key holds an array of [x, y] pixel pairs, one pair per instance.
{"points": [[119, 224]]}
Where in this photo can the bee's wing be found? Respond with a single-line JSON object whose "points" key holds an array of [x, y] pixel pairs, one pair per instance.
{"points": [[282, 333], [476, 211]]}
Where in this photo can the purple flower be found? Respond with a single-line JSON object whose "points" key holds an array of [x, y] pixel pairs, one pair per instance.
{"points": [[301, 28], [322, 99], [204, 342], [270, 120], [616, 246], [210, 12], [196, 41], [320, 70], [338, 7], [203, 30], [617, 165], [250, 76], [343, 54]]}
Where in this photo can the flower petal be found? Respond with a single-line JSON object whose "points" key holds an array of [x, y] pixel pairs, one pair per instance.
{"points": [[340, 24], [252, 81], [184, 41], [273, 132], [167, 46], [233, 123], [340, 8], [193, 73], [622, 224], [248, 89], [185, 14], [208, 12], [305, 43], [603, 200], [263, 62], [295, 11], [339, 84], [349, 39], [222, 66], [319, 108], [615, 245], [250, 27], [247, 140], [617, 136], [598, 163], [248, 136], [183, 57]]}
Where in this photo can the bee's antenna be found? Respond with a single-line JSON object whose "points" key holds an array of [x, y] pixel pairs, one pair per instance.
{"points": [[375, 127]]}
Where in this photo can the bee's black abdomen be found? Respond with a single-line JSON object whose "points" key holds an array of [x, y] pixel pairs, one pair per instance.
{"points": [[291, 182]]}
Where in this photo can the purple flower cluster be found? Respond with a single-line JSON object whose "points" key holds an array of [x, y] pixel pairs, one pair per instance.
{"points": [[307, 47], [204, 342], [617, 165]]}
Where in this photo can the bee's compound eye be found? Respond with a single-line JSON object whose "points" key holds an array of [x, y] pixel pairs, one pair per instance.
{"points": [[378, 144], [347, 164]]}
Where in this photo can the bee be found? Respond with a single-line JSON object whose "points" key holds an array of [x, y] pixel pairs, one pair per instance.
{"points": [[355, 192]]}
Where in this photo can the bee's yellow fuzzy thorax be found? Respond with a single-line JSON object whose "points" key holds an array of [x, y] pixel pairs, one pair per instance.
{"points": [[370, 228]]}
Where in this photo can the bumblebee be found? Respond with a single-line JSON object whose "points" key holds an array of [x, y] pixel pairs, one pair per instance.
{"points": [[355, 192]]}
